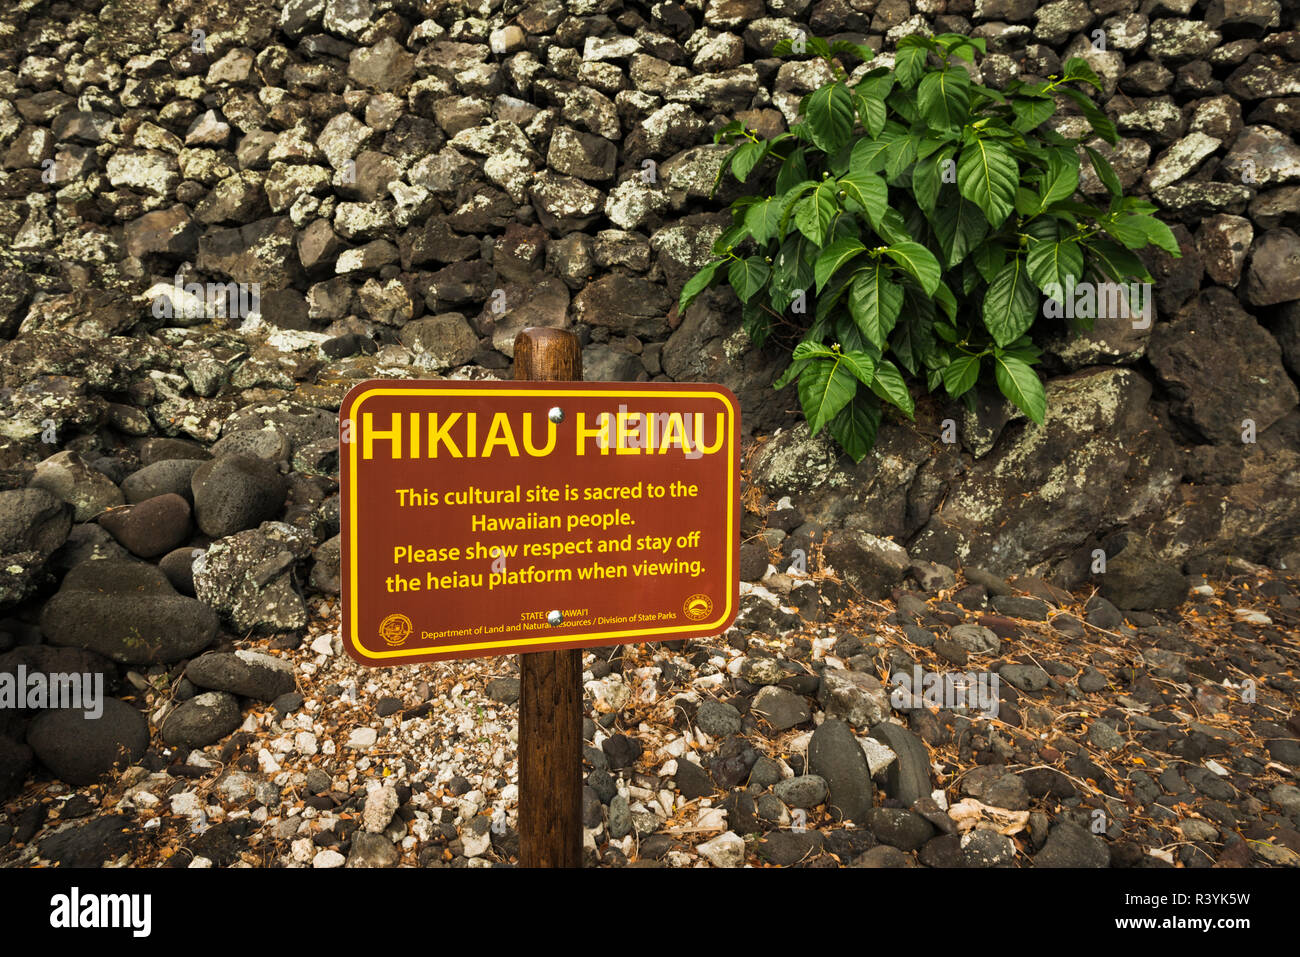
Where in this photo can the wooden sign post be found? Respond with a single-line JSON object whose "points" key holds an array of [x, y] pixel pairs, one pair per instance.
{"points": [[550, 682]]}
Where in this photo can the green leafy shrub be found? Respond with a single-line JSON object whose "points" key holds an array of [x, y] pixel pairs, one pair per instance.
{"points": [[916, 220]]}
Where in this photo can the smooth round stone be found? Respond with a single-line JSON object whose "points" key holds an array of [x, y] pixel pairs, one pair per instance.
{"points": [[79, 749], [236, 492], [127, 611], [151, 528]]}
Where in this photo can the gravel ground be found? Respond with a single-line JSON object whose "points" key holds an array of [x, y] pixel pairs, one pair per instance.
{"points": [[1119, 740]]}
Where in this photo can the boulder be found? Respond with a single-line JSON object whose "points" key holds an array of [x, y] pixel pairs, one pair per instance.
{"points": [[236, 492], [128, 612], [79, 748]]}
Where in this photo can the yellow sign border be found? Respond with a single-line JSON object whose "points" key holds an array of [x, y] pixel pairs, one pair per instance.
{"points": [[553, 638]]}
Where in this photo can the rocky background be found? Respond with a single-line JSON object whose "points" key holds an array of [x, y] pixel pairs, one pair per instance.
{"points": [[408, 185]]}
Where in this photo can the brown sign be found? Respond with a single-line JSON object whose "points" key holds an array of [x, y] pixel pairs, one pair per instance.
{"points": [[492, 518]]}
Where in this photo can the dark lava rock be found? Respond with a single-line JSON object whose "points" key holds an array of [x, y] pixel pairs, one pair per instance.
{"points": [[785, 848], [782, 709], [15, 762], [900, 828], [717, 719], [249, 674], [1102, 614], [79, 748], [178, 566], [1018, 606], [152, 527], [942, 851], [870, 564], [1025, 677], [801, 791], [129, 612], [236, 492], [202, 720], [692, 780], [169, 475], [32, 520], [908, 778], [1069, 845], [835, 755], [983, 847], [732, 762], [94, 843], [504, 690], [1137, 579]]}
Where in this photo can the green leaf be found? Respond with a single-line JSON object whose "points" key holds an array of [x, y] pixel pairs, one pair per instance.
{"points": [[891, 226], [959, 225], [944, 98], [748, 276], [697, 284], [745, 158], [833, 257], [1127, 230], [960, 374], [814, 213], [859, 50], [988, 259], [900, 155], [791, 269], [825, 387], [1044, 228], [728, 238], [1116, 262], [870, 155], [927, 178], [1061, 179], [909, 60], [791, 372], [1103, 124], [1011, 303], [1159, 234], [913, 338], [987, 175], [889, 385], [861, 363], [828, 111], [1054, 263], [793, 171], [919, 262], [867, 192], [763, 220], [1077, 68], [854, 428], [944, 297], [1031, 112], [756, 323], [957, 44], [729, 131], [812, 350], [875, 302], [1020, 384], [871, 111], [819, 47]]}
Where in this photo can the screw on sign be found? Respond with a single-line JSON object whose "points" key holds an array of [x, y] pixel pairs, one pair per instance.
{"points": [[537, 517]]}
